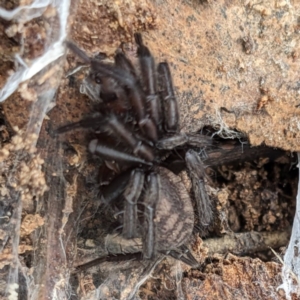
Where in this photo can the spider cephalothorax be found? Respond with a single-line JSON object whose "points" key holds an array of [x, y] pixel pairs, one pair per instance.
{"points": [[139, 118]]}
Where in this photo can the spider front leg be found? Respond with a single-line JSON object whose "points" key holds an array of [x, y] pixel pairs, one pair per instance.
{"points": [[110, 154], [129, 138], [171, 116], [124, 63], [169, 101], [137, 98], [197, 173], [126, 78], [141, 152], [148, 74]]}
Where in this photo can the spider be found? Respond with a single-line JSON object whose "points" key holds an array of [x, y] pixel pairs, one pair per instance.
{"points": [[138, 131]]}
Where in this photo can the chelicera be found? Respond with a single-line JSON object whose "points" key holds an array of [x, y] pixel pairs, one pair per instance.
{"points": [[138, 130]]}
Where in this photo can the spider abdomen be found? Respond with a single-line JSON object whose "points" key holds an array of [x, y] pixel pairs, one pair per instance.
{"points": [[174, 218]]}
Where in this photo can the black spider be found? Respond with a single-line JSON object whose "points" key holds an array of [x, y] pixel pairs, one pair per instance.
{"points": [[139, 118]]}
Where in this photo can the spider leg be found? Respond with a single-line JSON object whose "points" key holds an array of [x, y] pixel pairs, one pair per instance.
{"points": [[124, 134], [129, 82], [199, 140], [132, 194], [135, 94], [148, 74], [143, 153], [113, 94], [169, 101], [109, 153], [115, 188], [180, 139], [197, 174], [184, 255], [151, 198], [109, 258], [76, 50], [122, 62], [94, 122], [147, 65]]}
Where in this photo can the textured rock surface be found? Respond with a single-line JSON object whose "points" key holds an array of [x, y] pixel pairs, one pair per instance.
{"points": [[235, 64]]}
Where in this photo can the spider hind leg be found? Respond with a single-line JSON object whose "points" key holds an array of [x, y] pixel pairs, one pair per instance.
{"points": [[151, 198], [204, 205], [183, 254], [132, 194]]}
